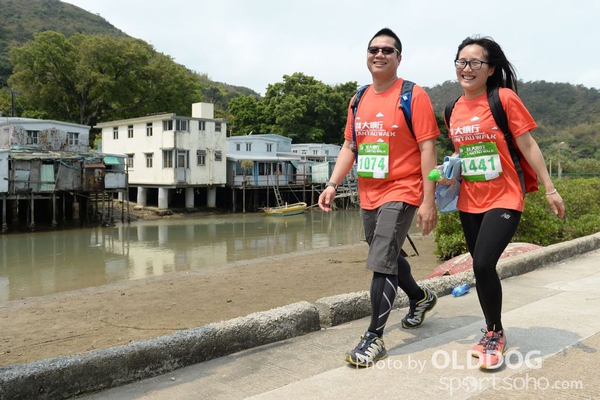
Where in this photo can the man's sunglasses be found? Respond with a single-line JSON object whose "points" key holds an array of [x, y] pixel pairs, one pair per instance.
{"points": [[385, 50]]}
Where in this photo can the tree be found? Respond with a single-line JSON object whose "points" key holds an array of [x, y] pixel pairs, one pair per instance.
{"points": [[246, 115], [87, 79], [306, 109]]}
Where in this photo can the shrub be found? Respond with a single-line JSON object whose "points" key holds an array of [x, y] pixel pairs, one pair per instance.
{"points": [[538, 224]]}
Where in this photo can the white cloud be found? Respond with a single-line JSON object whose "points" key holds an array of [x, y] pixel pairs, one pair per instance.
{"points": [[254, 44]]}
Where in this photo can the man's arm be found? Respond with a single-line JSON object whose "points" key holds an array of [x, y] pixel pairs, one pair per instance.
{"points": [[342, 166], [427, 214]]}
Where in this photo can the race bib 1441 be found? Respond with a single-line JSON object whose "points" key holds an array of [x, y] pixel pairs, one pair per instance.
{"points": [[480, 162]]}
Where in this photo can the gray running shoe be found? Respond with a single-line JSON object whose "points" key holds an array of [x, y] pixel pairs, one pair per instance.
{"points": [[370, 349], [418, 310]]}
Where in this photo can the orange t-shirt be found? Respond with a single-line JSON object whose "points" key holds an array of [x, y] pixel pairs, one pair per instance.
{"points": [[378, 118], [472, 122]]}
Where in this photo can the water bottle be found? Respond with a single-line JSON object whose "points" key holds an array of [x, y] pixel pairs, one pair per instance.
{"points": [[461, 290], [436, 173]]}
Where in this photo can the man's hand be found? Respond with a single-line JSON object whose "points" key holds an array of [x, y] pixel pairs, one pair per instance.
{"points": [[326, 198], [427, 217]]}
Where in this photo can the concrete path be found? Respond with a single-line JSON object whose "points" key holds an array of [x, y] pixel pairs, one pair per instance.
{"points": [[552, 320]]}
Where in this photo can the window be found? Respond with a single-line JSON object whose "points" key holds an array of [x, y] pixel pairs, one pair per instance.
{"points": [[201, 126], [130, 131], [217, 127], [237, 146], [269, 147], [33, 137], [73, 138], [168, 125], [149, 160], [167, 158], [315, 152], [115, 132], [149, 129], [182, 125], [248, 146], [182, 159], [201, 155], [326, 152], [129, 160], [218, 155]]}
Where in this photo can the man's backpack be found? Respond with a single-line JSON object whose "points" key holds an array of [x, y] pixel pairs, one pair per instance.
{"points": [[403, 103], [527, 176]]}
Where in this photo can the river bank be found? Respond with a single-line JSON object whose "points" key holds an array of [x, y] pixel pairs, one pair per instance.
{"points": [[83, 320]]}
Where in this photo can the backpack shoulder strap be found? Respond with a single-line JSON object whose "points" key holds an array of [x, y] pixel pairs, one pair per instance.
{"points": [[502, 122], [354, 106], [405, 103], [448, 111], [361, 90]]}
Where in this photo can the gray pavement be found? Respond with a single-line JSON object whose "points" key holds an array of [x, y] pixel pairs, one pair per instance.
{"points": [[551, 314]]}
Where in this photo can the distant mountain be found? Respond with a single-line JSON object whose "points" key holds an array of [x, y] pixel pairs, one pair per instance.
{"points": [[20, 19]]}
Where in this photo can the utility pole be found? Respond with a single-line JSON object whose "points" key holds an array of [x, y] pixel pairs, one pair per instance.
{"points": [[12, 98], [559, 166], [12, 102]]}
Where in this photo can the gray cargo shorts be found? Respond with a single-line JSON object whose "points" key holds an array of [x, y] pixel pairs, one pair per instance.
{"points": [[386, 228]]}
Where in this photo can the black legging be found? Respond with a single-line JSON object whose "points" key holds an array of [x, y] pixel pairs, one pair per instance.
{"points": [[383, 287], [487, 235], [383, 293]]}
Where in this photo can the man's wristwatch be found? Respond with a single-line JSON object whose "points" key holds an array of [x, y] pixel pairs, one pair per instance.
{"points": [[332, 184]]}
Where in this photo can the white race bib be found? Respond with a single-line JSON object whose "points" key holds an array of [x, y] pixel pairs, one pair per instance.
{"points": [[373, 160], [480, 162]]}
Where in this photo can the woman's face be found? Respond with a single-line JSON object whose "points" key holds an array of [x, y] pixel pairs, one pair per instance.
{"points": [[473, 81]]}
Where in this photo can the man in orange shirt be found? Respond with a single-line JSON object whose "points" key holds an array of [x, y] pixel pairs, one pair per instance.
{"points": [[392, 165]]}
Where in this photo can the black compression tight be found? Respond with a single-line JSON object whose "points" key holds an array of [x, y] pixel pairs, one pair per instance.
{"points": [[383, 293], [487, 235], [407, 282]]}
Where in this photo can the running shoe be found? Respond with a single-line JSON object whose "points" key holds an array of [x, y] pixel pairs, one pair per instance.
{"points": [[370, 349], [477, 350], [418, 310], [491, 357]]}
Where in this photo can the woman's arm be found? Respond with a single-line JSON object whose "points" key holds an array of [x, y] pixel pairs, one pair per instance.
{"points": [[532, 153]]}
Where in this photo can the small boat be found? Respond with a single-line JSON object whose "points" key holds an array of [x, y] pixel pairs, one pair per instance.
{"points": [[287, 209]]}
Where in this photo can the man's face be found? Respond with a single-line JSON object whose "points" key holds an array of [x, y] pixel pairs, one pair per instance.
{"points": [[382, 65]]}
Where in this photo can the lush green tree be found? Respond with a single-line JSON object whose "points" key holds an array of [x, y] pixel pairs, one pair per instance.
{"points": [[88, 79], [245, 115], [305, 109]]}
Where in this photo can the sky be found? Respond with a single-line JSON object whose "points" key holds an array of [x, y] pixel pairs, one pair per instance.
{"points": [[254, 43]]}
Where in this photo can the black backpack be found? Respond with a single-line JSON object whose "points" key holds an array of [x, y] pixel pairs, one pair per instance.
{"points": [[527, 177]]}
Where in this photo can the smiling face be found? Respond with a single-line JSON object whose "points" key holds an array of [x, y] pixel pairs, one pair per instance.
{"points": [[473, 81], [383, 66]]}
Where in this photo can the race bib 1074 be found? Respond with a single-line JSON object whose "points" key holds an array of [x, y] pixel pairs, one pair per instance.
{"points": [[373, 160]]}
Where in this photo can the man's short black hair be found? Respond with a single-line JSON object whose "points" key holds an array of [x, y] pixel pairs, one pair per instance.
{"points": [[390, 33]]}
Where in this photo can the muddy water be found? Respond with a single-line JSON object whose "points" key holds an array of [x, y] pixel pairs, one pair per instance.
{"points": [[43, 263]]}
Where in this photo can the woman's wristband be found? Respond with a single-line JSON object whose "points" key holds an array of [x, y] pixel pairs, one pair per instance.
{"points": [[552, 192]]}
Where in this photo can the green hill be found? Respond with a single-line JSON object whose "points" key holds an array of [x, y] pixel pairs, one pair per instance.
{"points": [[556, 105], [20, 19]]}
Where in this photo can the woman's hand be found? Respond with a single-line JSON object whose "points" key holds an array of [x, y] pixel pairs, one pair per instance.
{"points": [[556, 203]]}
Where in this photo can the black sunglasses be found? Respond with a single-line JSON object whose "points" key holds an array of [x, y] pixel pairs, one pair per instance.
{"points": [[385, 50]]}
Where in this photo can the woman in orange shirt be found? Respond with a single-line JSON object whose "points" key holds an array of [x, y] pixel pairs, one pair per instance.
{"points": [[491, 200]]}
